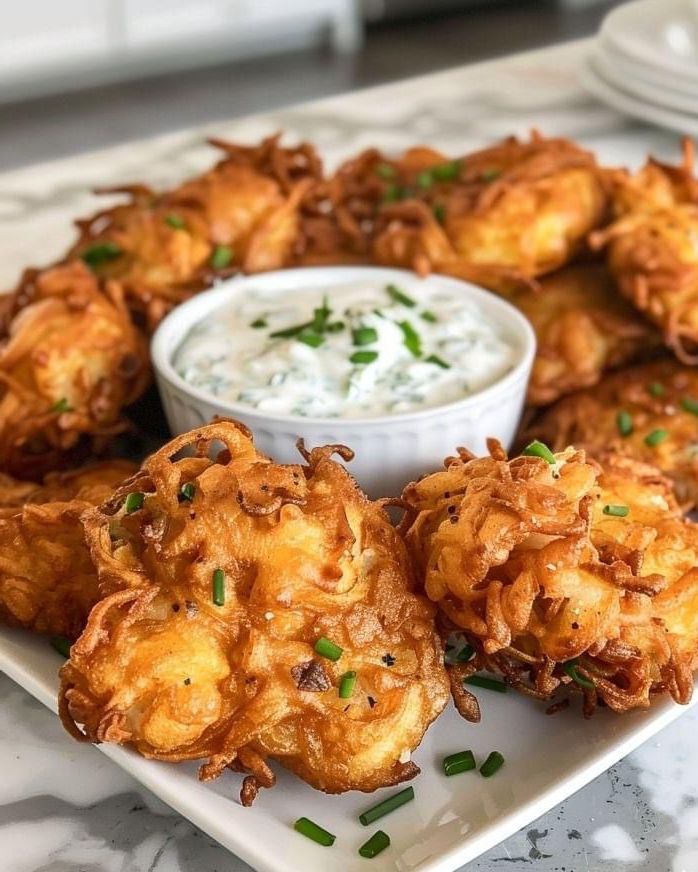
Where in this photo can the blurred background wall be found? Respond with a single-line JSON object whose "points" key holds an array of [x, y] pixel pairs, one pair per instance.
{"points": [[77, 74]]}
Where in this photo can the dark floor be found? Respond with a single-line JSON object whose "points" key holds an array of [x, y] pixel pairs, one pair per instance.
{"points": [[53, 127]]}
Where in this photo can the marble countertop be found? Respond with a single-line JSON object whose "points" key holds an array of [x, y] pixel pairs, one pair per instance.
{"points": [[67, 808]]}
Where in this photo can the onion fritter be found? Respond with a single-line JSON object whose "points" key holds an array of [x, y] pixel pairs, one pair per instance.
{"points": [[47, 581], [646, 412], [652, 248], [563, 573], [220, 576], [70, 362], [583, 327]]}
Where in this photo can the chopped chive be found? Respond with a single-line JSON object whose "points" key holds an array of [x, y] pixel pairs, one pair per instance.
{"points": [[385, 171], [539, 449], [186, 492], [689, 405], [616, 511], [570, 668], [62, 645], [101, 253], [335, 327], [655, 437], [490, 175], [62, 405], [326, 648], [175, 221], [134, 501], [425, 179], [221, 257], [393, 193], [378, 842], [411, 339], [346, 685], [364, 335], [434, 358], [363, 356], [400, 297], [656, 389], [465, 654], [379, 313], [386, 806], [493, 764], [218, 587], [439, 211], [447, 172], [463, 761], [314, 832], [321, 316], [289, 332], [487, 683], [624, 423], [307, 337], [259, 322], [426, 315]]}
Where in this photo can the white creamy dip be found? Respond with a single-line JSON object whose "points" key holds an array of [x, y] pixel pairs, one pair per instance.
{"points": [[358, 350]]}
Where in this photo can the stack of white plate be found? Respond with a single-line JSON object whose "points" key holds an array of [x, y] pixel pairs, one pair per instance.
{"points": [[645, 62]]}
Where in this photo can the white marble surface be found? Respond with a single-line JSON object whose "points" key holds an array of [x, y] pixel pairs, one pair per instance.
{"points": [[65, 807]]}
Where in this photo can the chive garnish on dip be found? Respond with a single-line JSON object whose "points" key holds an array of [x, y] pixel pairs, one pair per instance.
{"points": [[624, 423], [327, 649], [426, 315], [218, 587], [363, 356], [487, 683], [386, 806], [439, 361], [346, 685], [616, 511], [539, 449], [656, 436], [411, 340], [364, 335], [463, 761], [134, 501], [314, 832], [259, 323], [400, 296], [308, 337], [492, 764], [378, 842]]}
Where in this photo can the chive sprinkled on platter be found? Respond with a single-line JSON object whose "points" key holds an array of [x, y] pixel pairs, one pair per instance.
{"points": [[425, 179], [463, 761], [378, 842], [656, 437], [616, 511], [490, 175], [656, 389], [186, 492], [688, 404], [492, 764], [222, 256], [446, 172], [400, 296], [314, 832], [624, 423], [439, 361], [571, 668], [386, 806], [134, 501], [393, 193], [62, 405], [439, 211], [385, 171], [326, 648], [411, 338], [218, 587], [539, 449], [364, 335], [62, 645], [363, 357], [175, 221], [101, 252], [486, 683], [347, 683]]}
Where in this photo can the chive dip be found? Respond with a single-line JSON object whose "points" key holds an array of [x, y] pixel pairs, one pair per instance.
{"points": [[358, 350]]}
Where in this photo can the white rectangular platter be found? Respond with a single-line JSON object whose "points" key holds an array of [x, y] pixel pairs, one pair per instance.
{"points": [[452, 820]]}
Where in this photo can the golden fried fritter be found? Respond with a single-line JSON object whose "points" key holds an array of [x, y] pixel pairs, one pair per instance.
{"points": [[652, 248], [646, 412], [562, 573], [583, 327], [47, 581], [240, 215], [71, 360], [220, 576]]}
